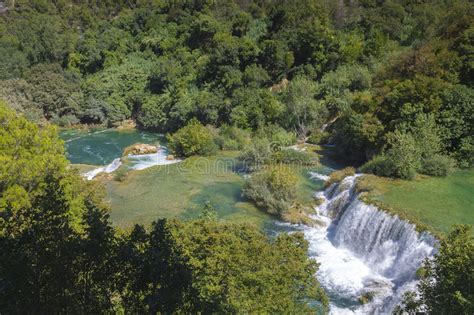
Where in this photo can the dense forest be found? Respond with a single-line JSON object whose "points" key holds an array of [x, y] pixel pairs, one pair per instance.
{"points": [[387, 85], [385, 81]]}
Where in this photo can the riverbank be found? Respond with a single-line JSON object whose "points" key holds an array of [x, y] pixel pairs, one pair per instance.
{"points": [[431, 203]]}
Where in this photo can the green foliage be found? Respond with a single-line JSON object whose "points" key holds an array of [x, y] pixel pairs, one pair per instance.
{"points": [[193, 139], [357, 136], [273, 189], [255, 108], [257, 153], [232, 138], [416, 149], [456, 121], [318, 137], [60, 254], [437, 165], [465, 154], [447, 285], [206, 266], [403, 158], [54, 232], [360, 70], [121, 87], [290, 156], [380, 165], [278, 136], [304, 112]]}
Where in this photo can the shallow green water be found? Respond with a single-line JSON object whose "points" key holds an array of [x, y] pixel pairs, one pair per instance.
{"points": [[102, 146]]}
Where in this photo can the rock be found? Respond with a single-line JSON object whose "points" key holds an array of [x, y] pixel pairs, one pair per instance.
{"points": [[170, 157], [127, 124], [366, 297], [140, 149]]}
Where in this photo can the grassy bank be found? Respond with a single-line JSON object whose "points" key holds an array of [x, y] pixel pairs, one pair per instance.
{"points": [[434, 203], [181, 190]]}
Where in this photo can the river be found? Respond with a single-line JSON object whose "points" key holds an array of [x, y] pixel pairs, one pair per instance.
{"points": [[362, 251], [104, 148]]}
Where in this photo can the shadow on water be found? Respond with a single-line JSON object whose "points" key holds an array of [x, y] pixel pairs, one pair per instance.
{"points": [[328, 158]]}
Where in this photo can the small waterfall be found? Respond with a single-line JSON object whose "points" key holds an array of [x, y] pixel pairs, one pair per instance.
{"points": [[134, 162], [363, 249], [107, 169]]}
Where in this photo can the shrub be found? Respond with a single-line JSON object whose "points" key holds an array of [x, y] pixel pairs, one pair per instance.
{"points": [[233, 138], [403, 156], [339, 175], [465, 154], [437, 165], [278, 136], [379, 165], [257, 154], [66, 120], [290, 156], [273, 189], [193, 139], [318, 137]]}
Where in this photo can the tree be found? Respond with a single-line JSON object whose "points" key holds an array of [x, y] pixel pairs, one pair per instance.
{"points": [[357, 136], [303, 111], [447, 284], [273, 189], [207, 266], [255, 108], [193, 139], [53, 226], [401, 160], [456, 121]]}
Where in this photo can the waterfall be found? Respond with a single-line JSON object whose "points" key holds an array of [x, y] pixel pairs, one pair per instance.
{"points": [[362, 249], [134, 162], [107, 169]]}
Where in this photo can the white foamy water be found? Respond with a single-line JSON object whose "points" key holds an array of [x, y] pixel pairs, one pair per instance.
{"points": [[141, 162], [315, 175], [104, 169], [134, 162], [362, 249]]}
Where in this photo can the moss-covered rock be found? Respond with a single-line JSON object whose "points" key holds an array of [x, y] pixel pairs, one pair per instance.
{"points": [[339, 175]]}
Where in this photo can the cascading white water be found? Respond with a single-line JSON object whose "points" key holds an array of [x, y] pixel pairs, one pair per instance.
{"points": [[107, 169], [362, 249], [135, 162]]}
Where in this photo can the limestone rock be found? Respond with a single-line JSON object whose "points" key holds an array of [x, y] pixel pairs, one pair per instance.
{"points": [[140, 149]]}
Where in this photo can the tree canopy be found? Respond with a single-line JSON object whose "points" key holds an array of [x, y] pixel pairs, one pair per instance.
{"points": [[358, 71]]}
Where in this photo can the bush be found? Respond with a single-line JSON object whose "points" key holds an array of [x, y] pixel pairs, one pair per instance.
{"points": [[290, 156], [273, 189], [233, 138], [193, 139], [437, 165], [403, 156], [278, 136], [65, 121], [257, 154], [318, 137], [465, 154], [379, 165]]}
